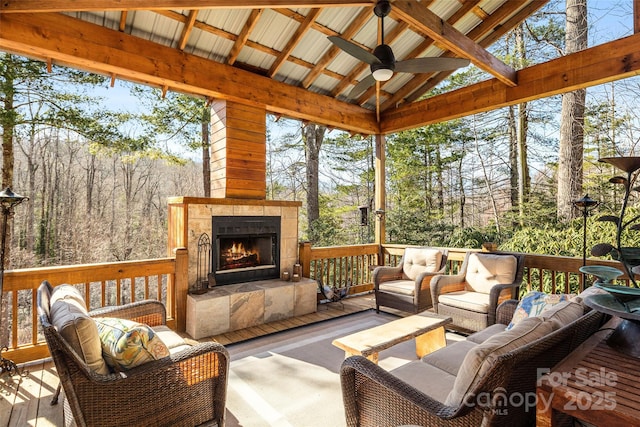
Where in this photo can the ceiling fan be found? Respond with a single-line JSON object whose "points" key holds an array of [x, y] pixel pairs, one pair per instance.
{"points": [[383, 63]]}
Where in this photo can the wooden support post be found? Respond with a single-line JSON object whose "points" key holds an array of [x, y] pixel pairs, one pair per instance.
{"points": [[180, 289], [304, 255], [380, 192], [636, 16]]}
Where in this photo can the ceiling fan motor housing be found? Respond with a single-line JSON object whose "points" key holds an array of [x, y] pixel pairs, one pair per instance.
{"points": [[383, 70], [382, 8]]}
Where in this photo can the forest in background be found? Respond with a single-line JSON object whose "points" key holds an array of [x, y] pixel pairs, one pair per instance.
{"points": [[98, 176]]}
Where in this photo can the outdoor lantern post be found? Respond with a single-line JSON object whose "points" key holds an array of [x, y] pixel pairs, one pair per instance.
{"points": [[8, 200], [586, 204]]}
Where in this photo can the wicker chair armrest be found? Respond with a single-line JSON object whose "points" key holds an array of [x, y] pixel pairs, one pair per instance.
{"points": [[423, 281], [390, 393], [505, 311], [162, 391], [443, 284], [149, 312], [497, 296], [384, 274]]}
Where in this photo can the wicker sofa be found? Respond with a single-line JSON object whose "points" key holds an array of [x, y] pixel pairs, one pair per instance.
{"points": [[489, 379], [185, 388]]}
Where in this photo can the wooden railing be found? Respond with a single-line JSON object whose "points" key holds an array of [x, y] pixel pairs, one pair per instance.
{"points": [[163, 279], [334, 266], [166, 279]]}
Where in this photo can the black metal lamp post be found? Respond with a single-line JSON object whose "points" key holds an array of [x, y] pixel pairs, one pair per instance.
{"points": [[586, 204], [8, 200]]}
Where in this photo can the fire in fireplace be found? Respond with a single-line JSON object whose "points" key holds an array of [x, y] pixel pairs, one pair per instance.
{"points": [[246, 248]]}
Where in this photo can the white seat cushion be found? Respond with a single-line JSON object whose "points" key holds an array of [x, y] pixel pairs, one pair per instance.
{"points": [[484, 271], [472, 301], [404, 287], [420, 260]]}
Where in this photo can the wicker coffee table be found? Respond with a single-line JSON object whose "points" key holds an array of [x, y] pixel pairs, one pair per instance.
{"points": [[426, 327]]}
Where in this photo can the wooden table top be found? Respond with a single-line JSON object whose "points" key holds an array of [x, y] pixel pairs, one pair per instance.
{"points": [[381, 337], [596, 384]]}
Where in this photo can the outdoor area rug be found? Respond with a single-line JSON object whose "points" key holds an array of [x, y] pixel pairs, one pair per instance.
{"points": [[292, 378]]}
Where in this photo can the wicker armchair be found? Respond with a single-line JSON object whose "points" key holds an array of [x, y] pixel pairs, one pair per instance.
{"points": [[472, 296], [187, 388], [406, 286], [377, 398]]}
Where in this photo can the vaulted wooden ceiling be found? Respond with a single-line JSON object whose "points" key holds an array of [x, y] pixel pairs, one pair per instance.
{"points": [[275, 53]]}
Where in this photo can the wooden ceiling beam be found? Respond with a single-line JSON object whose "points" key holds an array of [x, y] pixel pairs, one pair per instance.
{"points": [[333, 51], [251, 23], [187, 28], [31, 6], [593, 66], [445, 34], [293, 42], [90, 47]]}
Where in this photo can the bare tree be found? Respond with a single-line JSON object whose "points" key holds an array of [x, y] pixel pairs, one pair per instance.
{"points": [[572, 118], [313, 137]]}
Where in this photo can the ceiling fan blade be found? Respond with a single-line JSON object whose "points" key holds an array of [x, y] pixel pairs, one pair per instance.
{"points": [[363, 85], [426, 65], [354, 50]]}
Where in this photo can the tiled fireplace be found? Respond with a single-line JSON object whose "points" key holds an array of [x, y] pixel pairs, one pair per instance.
{"points": [[252, 243]]}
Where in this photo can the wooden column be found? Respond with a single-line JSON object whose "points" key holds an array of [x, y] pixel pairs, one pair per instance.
{"points": [[178, 308], [238, 151], [636, 16], [380, 192]]}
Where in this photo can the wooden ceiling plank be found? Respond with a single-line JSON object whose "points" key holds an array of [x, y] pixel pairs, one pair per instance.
{"points": [[593, 66], [442, 32], [251, 23], [94, 48], [187, 28], [333, 51], [421, 84], [293, 41], [31, 6]]}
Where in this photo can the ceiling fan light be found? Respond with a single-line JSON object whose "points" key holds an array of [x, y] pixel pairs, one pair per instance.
{"points": [[382, 74]]}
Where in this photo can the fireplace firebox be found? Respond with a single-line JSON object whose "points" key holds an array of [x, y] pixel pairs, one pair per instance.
{"points": [[246, 248]]}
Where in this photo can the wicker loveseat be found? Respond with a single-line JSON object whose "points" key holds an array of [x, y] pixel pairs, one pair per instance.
{"points": [[489, 379], [185, 388]]}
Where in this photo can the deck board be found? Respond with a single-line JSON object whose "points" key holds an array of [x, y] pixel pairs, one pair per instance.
{"points": [[26, 401]]}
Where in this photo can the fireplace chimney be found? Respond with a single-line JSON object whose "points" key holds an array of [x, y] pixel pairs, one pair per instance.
{"points": [[238, 151]]}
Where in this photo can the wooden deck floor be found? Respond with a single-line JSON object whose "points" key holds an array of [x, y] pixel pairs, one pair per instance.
{"points": [[26, 401]]}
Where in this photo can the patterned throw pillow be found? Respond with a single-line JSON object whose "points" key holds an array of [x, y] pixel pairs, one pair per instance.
{"points": [[534, 303], [127, 344]]}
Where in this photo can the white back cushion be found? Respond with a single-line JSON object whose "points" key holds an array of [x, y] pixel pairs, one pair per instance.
{"points": [[484, 271], [420, 260]]}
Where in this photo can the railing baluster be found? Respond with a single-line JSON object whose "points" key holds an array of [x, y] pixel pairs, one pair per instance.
{"points": [[34, 318], [14, 318]]}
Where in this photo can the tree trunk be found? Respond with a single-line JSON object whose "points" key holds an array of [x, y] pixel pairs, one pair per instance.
{"points": [[572, 119], [513, 157], [313, 136]]}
